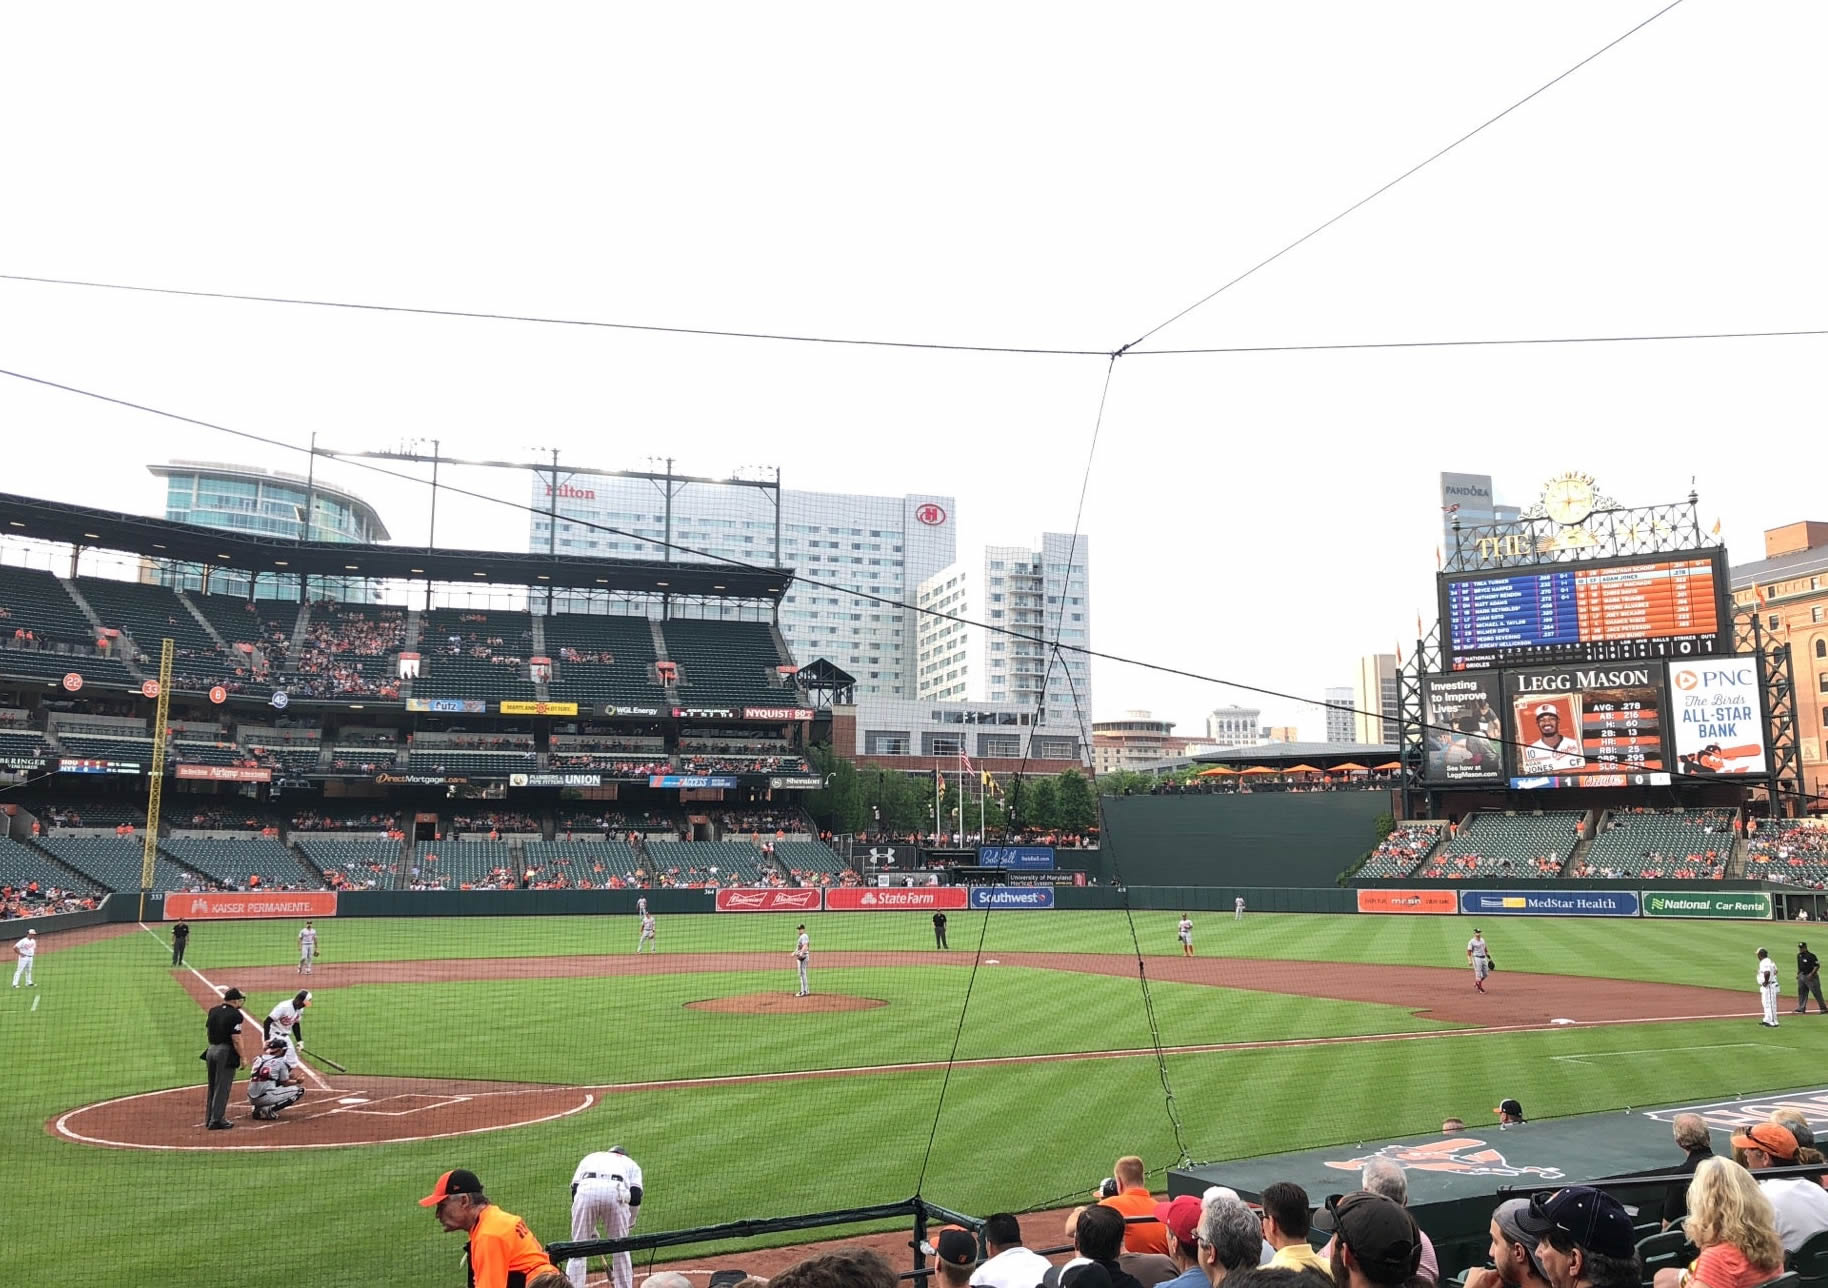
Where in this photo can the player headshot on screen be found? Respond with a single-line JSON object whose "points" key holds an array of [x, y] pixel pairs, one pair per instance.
{"points": [[1552, 749]]}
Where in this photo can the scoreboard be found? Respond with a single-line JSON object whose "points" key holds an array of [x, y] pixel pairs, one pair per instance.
{"points": [[1605, 611], [1580, 726]]}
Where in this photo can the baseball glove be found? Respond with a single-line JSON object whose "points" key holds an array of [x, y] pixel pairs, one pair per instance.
{"points": [[1491, 964]]}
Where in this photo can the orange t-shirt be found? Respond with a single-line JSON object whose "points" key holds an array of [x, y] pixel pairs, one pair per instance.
{"points": [[503, 1252], [1144, 1236]]}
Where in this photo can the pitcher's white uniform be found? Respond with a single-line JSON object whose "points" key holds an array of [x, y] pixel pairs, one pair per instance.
{"points": [[1767, 990], [647, 934], [27, 950], [307, 949], [272, 1083], [802, 951], [605, 1199]]}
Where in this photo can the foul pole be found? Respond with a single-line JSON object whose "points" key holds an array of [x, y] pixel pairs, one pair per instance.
{"points": [[154, 791]]}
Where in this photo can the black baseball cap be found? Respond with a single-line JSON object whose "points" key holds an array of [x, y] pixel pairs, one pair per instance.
{"points": [[1592, 1218], [233, 995], [1511, 1107], [1380, 1232], [955, 1246], [457, 1181]]}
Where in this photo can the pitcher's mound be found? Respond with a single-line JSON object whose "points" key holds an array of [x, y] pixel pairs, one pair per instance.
{"points": [[785, 1003]]}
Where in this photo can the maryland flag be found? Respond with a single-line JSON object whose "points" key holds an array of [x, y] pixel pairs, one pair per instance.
{"points": [[989, 783]]}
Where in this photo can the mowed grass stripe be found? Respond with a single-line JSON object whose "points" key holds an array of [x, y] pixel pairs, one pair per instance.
{"points": [[640, 1030]]}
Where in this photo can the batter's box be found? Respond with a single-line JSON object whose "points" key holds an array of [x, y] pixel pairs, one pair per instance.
{"points": [[407, 1102]]}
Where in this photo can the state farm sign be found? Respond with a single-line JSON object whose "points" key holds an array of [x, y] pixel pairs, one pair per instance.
{"points": [[768, 900], [890, 899]]}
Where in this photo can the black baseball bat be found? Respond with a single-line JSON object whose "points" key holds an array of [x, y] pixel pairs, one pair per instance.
{"points": [[321, 1058]]}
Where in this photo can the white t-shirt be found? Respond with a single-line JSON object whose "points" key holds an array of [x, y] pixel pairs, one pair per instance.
{"points": [[607, 1162], [1014, 1268], [1802, 1209], [27, 947], [1767, 978]]}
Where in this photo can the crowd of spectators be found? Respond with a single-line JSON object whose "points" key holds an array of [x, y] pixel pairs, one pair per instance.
{"points": [[1398, 853], [325, 665], [609, 765], [496, 822], [703, 763], [1792, 852], [757, 823], [29, 900], [352, 821]]}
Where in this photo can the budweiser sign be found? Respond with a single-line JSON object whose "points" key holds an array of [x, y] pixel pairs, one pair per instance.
{"points": [[225, 773], [892, 899], [768, 900]]}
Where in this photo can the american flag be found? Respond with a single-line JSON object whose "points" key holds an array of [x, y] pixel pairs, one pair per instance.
{"points": [[964, 761]]}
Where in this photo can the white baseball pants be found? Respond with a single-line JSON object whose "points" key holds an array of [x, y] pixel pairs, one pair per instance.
{"points": [[600, 1210]]}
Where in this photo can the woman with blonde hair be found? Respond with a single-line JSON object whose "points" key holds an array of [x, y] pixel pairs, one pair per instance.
{"points": [[1733, 1224]]}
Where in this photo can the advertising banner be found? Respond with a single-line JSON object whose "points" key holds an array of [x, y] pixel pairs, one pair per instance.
{"points": [[454, 706], [628, 711], [1604, 721], [1012, 897], [539, 708], [1715, 716], [890, 856], [1549, 903], [768, 900], [1432, 902], [225, 773], [692, 780], [1016, 856], [249, 904], [795, 782], [902, 899], [776, 713], [1736, 905], [419, 780], [555, 780], [67, 766], [704, 713], [1464, 734]]}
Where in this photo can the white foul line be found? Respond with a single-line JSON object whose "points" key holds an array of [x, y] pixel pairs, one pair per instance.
{"points": [[313, 1074], [1587, 1057]]}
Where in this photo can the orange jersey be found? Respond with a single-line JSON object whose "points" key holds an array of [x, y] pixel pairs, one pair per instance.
{"points": [[503, 1252], [1145, 1236]]}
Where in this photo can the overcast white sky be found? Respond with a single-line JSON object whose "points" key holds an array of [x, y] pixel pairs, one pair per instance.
{"points": [[1049, 174]]}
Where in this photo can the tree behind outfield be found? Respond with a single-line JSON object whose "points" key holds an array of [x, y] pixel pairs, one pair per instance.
{"points": [[1075, 808]]}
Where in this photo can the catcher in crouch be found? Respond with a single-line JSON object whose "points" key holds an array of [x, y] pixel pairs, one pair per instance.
{"points": [[274, 1082]]}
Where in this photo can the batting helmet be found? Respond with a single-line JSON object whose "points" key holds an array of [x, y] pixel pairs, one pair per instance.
{"points": [[277, 1044]]}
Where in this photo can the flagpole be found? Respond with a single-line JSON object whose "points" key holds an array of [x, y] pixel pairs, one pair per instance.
{"points": [[983, 790], [936, 778]]}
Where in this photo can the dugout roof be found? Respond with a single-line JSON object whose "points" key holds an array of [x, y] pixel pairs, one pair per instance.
{"points": [[192, 543]]}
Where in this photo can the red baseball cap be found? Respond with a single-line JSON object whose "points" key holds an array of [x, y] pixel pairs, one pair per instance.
{"points": [[1182, 1217], [457, 1181]]}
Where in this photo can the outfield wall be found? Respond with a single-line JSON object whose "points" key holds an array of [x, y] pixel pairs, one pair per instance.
{"points": [[1302, 838]]}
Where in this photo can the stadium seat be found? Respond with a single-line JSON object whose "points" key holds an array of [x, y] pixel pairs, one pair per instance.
{"points": [[1516, 847], [610, 660], [1691, 844], [20, 864], [113, 862], [727, 663], [232, 861]]}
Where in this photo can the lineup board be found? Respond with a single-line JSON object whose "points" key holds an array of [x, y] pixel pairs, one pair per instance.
{"points": [[1579, 726], [1618, 610]]}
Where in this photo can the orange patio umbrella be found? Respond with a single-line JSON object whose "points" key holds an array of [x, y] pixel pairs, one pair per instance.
{"points": [[1301, 769], [1350, 767], [1395, 764], [1259, 769], [1216, 769]]}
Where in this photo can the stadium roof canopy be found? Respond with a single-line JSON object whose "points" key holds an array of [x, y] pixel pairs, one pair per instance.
{"points": [[214, 547], [1276, 753]]}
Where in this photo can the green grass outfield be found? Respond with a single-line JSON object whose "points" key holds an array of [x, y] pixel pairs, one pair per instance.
{"points": [[111, 1020]]}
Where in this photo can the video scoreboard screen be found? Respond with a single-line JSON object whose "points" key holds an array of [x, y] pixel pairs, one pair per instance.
{"points": [[1614, 610], [1587, 726]]}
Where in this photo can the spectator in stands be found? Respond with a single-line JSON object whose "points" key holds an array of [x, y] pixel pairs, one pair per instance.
{"points": [[1587, 1239], [1133, 1199], [1376, 1241], [955, 1257], [1387, 1177], [845, 1268], [1181, 1219], [1733, 1224], [1230, 1235], [1801, 1204], [1010, 1264], [1513, 1252], [1286, 1222], [1098, 1237], [1450, 1126], [1692, 1135]]}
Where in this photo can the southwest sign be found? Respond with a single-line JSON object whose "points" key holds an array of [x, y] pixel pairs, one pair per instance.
{"points": [[768, 900], [918, 899], [250, 904], [1739, 905], [1549, 903], [985, 897]]}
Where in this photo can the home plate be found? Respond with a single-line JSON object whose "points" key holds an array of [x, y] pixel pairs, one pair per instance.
{"points": [[1561, 1021], [353, 1100]]}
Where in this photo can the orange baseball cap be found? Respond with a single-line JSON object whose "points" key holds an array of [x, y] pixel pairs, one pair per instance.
{"points": [[457, 1181]]}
